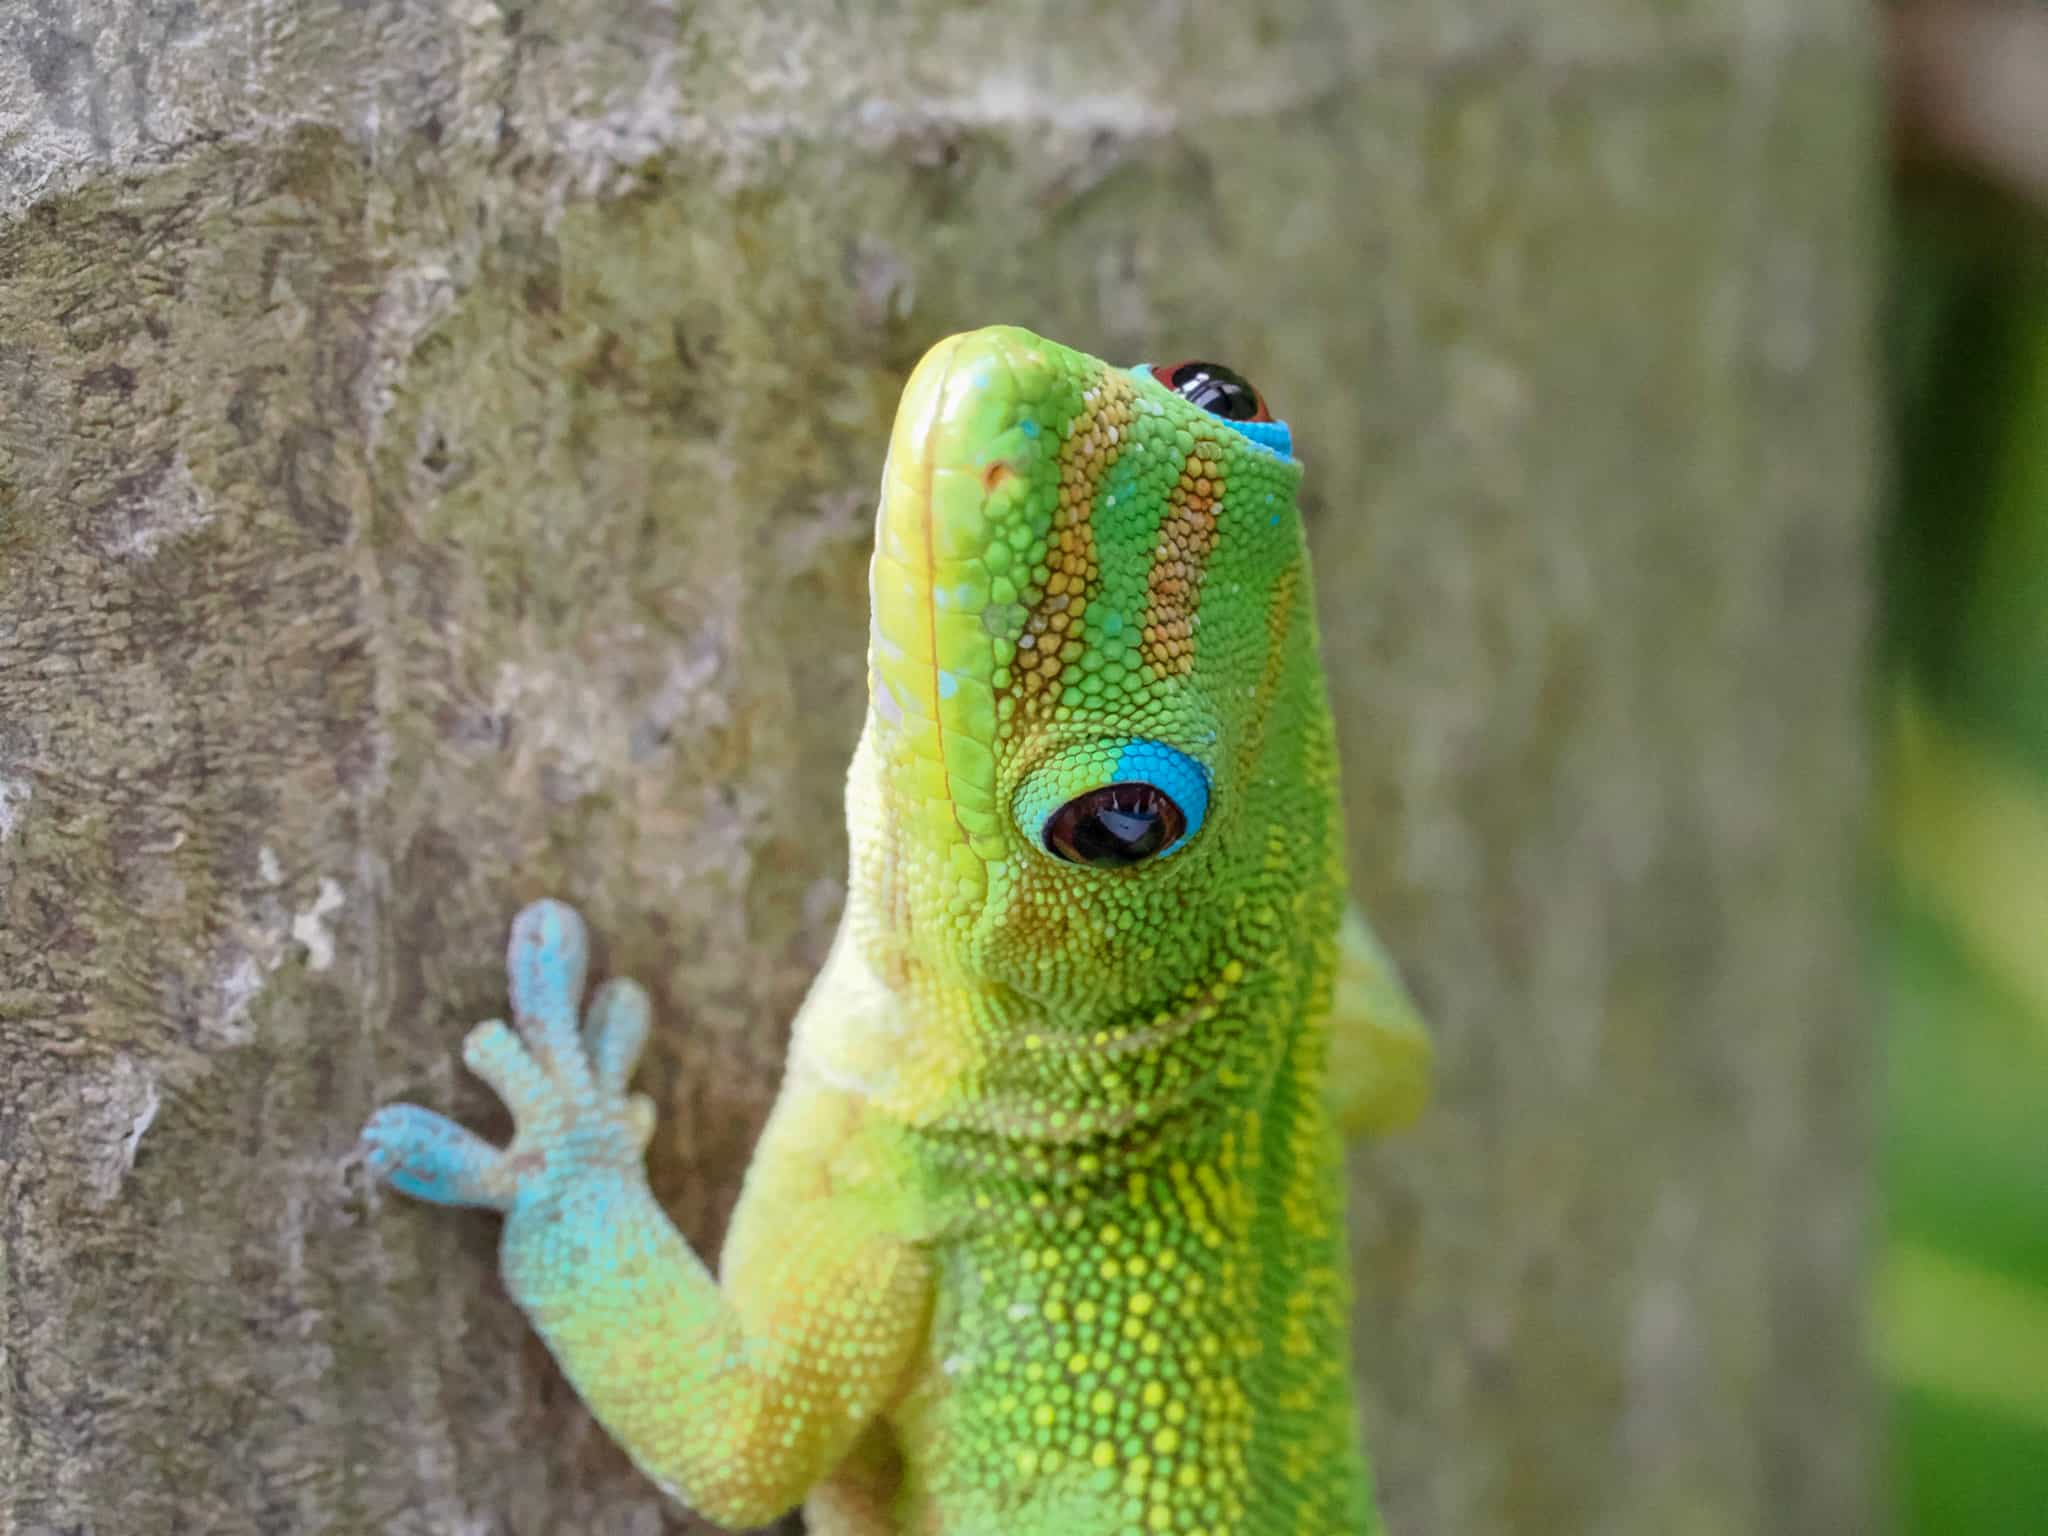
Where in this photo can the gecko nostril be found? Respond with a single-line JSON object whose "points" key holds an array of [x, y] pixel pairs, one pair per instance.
{"points": [[995, 475]]}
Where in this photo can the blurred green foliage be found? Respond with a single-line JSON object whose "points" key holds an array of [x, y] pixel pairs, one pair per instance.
{"points": [[1961, 1315]]}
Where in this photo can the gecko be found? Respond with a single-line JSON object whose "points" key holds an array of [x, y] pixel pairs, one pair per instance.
{"points": [[1044, 1235]]}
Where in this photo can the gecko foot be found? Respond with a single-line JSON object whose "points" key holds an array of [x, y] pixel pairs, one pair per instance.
{"points": [[565, 1085]]}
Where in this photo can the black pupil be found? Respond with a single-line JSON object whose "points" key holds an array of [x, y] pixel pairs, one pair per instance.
{"points": [[1116, 825], [1218, 390]]}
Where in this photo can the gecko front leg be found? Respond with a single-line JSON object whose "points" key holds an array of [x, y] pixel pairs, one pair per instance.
{"points": [[736, 1400]]}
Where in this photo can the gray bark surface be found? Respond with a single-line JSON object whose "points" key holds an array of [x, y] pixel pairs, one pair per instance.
{"points": [[437, 449]]}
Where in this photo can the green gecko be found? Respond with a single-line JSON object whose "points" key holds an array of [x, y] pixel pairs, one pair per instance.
{"points": [[1045, 1234]]}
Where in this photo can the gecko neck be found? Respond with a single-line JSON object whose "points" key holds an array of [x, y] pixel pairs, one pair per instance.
{"points": [[1043, 1099]]}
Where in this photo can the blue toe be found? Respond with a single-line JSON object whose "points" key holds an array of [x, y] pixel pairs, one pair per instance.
{"points": [[545, 964], [430, 1157]]}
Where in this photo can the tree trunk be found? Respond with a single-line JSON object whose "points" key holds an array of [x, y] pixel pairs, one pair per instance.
{"points": [[437, 450]]}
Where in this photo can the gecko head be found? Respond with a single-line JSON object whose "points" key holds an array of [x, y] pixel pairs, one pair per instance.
{"points": [[1096, 726]]}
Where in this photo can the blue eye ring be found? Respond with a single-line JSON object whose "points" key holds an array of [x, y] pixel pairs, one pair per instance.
{"points": [[1269, 433], [1176, 775], [1111, 804]]}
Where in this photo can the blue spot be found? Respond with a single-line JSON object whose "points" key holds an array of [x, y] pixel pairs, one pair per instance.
{"points": [[1028, 427], [1270, 435], [1273, 521], [1185, 781], [948, 684]]}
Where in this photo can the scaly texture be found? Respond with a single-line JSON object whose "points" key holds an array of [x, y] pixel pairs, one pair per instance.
{"points": [[1045, 1235]]}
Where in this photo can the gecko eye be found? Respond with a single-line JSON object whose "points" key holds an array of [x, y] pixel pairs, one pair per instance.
{"points": [[1216, 389], [1113, 802], [1115, 826]]}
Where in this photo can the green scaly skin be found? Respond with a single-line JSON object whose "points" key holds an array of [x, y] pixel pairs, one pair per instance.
{"points": [[1045, 1235]]}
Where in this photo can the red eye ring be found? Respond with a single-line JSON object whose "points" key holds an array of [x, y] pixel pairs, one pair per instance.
{"points": [[1222, 392]]}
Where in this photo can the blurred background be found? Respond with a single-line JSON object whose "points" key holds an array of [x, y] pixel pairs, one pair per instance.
{"points": [[1961, 1304]]}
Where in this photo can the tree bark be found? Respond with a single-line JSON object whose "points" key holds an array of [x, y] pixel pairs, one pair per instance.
{"points": [[437, 450]]}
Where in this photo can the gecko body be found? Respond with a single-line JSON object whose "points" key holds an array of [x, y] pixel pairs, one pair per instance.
{"points": [[1044, 1236]]}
